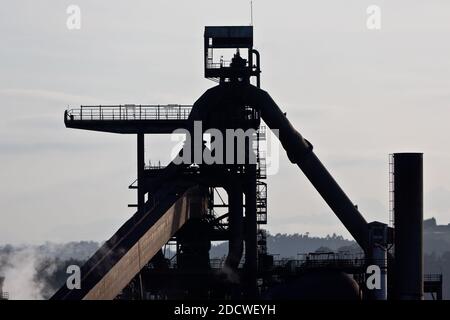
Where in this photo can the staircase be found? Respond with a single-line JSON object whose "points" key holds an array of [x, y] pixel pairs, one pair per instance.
{"points": [[261, 174]]}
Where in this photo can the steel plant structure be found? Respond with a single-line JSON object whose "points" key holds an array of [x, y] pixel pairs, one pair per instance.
{"points": [[179, 203]]}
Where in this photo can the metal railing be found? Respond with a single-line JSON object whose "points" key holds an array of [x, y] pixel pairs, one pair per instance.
{"points": [[215, 263], [324, 260], [218, 65], [432, 277], [391, 190], [299, 264], [354, 262], [154, 167], [130, 112]]}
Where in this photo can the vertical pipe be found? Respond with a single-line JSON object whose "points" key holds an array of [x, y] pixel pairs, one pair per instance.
{"points": [[250, 232], [258, 68], [140, 191], [2, 279], [439, 292], [408, 220], [381, 255], [235, 221], [141, 287], [140, 171], [377, 253]]}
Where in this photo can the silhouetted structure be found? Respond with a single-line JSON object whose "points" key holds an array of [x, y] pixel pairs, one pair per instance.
{"points": [[179, 204], [408, 219]]}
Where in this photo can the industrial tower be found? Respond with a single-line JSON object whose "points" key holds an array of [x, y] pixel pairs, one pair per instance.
{"points": [[188, 204]]}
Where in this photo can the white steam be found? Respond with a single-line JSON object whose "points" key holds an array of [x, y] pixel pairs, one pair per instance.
{"points": [[31, 272], [20, 275]]}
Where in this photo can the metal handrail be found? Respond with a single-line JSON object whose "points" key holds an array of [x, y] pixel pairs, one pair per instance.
{"points": [[215, 263], [154, 167], [130, 112], [433, 277], [218, 65], [300, 264], [319, 263]]}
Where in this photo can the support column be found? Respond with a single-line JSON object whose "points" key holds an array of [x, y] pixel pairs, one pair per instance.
{"points": [[140, 171], [377, 254], [250, 233], [236, 226], [140, 191]]}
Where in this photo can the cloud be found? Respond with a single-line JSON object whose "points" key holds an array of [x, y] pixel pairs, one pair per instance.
{"points": [[56, 96]]}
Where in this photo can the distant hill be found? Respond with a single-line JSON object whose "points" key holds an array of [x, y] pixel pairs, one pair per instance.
{"points": [[290, 245], [436, 237]]}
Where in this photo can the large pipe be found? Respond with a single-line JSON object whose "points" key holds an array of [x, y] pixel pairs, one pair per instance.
{"points": [[300, 152], [298, 149], [236, 225], [408, 221]]}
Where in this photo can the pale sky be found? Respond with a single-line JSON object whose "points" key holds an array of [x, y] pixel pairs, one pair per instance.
{"points": [[356, 94]]}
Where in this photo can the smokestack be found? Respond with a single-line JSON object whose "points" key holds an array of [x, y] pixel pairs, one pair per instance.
{"points": [[408, 224]]}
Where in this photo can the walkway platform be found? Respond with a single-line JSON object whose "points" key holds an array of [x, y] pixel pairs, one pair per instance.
{"points": [[129, 118]]}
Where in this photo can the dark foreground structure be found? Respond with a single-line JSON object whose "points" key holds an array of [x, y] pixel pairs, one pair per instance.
{"points": [[186, 205]]}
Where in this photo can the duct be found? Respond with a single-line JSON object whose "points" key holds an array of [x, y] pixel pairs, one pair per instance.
{"points": [[121, 258]]}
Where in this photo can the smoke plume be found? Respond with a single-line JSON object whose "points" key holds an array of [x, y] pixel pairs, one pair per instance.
{"points": [[36, 272]]}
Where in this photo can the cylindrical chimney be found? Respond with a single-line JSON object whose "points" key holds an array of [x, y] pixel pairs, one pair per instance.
{"points": [[408, 221]]}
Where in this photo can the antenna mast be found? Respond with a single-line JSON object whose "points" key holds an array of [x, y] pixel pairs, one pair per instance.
{"points": [[251, 12]]}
